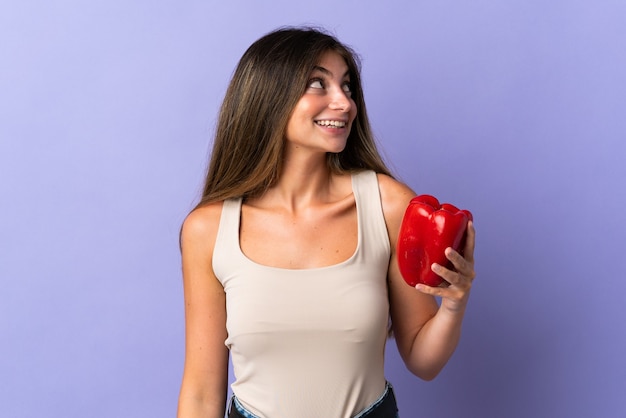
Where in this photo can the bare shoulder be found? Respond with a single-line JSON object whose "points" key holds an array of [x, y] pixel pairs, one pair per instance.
{"points": [[395, 197], [201, 225], [197, 242]]}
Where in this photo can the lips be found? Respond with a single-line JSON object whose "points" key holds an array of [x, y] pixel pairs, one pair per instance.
{"points": [[427, 229]]}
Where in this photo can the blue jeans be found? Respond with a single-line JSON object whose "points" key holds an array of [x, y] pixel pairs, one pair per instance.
{"points": [[384, 407]]}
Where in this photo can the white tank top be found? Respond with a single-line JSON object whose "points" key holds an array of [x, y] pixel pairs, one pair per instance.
{"points": [[308, 343]]}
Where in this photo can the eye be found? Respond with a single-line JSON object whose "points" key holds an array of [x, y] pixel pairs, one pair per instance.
{"points": [[316, 83], [347, 87]]}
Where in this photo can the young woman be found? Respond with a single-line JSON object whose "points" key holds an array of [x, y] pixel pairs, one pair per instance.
{"points": [[289, 259]]}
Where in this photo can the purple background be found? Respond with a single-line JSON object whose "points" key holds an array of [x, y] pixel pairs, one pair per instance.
{"points": [[513, 109]]}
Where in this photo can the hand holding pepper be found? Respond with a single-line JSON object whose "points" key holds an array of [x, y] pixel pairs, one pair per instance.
{"points": [[459, 280]]}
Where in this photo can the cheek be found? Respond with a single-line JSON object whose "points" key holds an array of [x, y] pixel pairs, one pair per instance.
{"points": [[297, 116], [304, 110]]}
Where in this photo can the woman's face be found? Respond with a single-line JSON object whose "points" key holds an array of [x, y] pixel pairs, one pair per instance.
{"points": [[322, 118]]}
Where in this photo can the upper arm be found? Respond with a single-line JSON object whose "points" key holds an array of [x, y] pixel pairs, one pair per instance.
{"points": [[410, 309], [206, 357]]}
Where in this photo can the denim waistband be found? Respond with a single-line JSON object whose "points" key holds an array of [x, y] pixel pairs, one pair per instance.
{"points": [[237, 410], [384, 407]]}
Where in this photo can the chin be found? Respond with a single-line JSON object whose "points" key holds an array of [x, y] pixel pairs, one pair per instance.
{"points": [[337, 147]]}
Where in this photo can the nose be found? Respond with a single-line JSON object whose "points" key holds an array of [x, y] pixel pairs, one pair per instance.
{"points": [[340, 101]]}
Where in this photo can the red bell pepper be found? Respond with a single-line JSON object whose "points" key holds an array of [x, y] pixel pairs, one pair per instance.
{"points": [[427, 229]]}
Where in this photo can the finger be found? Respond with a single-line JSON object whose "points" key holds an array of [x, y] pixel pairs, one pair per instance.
{"points": [[461, 265], [470, 242], [441, 292], [450, 277], [457, 260], [429, 290]]}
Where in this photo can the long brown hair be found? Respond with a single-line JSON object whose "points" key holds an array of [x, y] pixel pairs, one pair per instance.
{"points": [[268, 82]]}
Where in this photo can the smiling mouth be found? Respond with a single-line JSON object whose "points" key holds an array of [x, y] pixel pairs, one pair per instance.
{"points": [[331, 123]]}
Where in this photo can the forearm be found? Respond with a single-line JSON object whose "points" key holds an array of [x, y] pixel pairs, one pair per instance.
{"points": [[202, 394], [435, 343], [190, 406]]}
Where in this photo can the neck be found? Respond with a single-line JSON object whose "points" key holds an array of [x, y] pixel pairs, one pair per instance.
{"points": [[304, 181]]}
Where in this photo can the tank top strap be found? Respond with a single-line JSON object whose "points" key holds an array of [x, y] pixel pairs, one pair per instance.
{"points": [[372, 225], [227, 240]]}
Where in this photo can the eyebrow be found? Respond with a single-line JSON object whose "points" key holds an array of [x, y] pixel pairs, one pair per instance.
{"points": [[327, 72]]}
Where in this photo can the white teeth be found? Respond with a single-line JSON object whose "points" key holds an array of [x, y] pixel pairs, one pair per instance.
{"points": [[333, 123]]}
